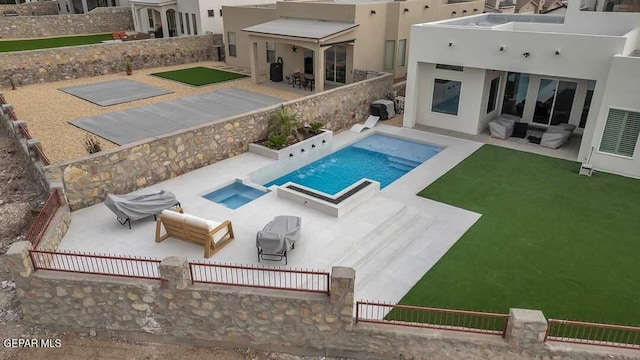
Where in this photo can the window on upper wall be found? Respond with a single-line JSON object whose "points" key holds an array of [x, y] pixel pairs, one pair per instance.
{"points": [[181, 23], [195, 25], [493, 95], [150, 16], [402, 52], [271, 51], [620, 133], [389, 50], [446, 96], [231, 39], [211, 13], [220, 12], [186, 19]]}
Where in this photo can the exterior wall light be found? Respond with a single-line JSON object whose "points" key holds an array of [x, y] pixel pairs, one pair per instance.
{"points": [[406, 10], [453, 13], [464, 11], [426, 7], [450, 43], [558, 52], [502, 47], [373, 12], [526, 54]]}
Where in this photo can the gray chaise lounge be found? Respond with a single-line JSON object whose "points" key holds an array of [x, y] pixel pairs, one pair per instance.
{"points": [[134, 207]]}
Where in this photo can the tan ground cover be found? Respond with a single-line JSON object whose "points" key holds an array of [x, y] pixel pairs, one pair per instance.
{"points": [[47, 110]]}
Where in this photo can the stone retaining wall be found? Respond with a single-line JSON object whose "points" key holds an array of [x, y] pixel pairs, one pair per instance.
{"points": [[97, 21], [127, 168], [26, 149], [31, 9], [30, 67], [318, 324]]}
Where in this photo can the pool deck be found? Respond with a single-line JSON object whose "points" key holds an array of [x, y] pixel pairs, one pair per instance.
{"points": [[391, 240]]}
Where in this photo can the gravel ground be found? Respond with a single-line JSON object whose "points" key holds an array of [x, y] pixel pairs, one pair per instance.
{"points": [[47, 110]]}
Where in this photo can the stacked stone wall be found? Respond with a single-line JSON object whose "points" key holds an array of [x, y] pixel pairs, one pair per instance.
{"points": [[26, 148], [31, 67], [31, 8], [100, 20], [121, 170], [173, 309]]}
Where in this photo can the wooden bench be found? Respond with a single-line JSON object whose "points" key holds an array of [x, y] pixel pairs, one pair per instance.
{"points": [[210, 234]]}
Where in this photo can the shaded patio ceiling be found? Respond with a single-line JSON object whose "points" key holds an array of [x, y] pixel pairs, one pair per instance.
{"points": [[301, 28]]}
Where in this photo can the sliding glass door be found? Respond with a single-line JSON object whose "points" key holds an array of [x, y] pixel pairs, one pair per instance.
{"points": [[336, 64], [554, 101]]}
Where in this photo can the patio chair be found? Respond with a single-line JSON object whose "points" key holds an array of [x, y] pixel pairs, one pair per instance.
{"points": [[555, 138], [278, 237], [371, 122], [501, 128]]}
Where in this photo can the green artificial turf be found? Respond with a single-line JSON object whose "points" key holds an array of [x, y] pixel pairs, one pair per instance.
{"points": [[198, 76], [47, 43], [548, 239]]}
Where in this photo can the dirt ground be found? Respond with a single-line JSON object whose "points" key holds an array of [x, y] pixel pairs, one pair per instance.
{"points": [[20, 201]]}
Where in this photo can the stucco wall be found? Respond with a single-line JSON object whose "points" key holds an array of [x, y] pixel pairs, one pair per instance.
{"points": [[31, 8], [622, 92], [141, 164], [100, 20], [30, 67]]}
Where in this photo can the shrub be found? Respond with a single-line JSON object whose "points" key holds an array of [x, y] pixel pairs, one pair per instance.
{"points": [[316, 127], [277, 141], [283, 123], [92, 144]]}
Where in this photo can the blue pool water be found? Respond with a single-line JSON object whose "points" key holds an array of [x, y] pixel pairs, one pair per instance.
{"points": [[376, 157], [235, 195]]}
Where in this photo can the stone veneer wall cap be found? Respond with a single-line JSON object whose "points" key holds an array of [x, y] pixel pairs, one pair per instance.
{"points": [[529, 316]]}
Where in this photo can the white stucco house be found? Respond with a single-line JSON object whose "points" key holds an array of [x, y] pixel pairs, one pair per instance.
{"points": [[582, 68], [183, 17]]}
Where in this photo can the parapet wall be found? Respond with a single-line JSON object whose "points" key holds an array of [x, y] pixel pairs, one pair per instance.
{"points": [[127, 168], [174, 309], [32, 67], [99, 20]]}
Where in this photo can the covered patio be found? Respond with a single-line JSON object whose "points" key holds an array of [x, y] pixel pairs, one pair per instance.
{"points": [[323, 49], [158, 16]]}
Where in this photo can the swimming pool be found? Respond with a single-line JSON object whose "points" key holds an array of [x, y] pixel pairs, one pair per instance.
{"points": [[235, 195], [377, 157]]}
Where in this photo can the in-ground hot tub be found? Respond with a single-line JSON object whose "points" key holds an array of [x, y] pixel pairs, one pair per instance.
{"points": [[234, 195]]}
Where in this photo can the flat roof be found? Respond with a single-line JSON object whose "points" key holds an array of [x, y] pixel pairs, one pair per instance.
{"points": [[490, 20], [302, 28]]}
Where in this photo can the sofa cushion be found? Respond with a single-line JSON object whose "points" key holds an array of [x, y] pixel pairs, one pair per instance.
{"points": [[173, 215], [205, 224]]}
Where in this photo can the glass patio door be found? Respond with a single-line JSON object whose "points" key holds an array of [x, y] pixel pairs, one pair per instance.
{"points": [[336, 64], [554, 101]]}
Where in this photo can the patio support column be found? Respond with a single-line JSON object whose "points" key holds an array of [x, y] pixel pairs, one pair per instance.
{"points": [[253, 57], [136, 20], [85, 7], [163, 20], [318, 67]]}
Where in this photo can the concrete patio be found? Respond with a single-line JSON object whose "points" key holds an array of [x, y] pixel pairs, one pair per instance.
{"points": [[391, 240]]}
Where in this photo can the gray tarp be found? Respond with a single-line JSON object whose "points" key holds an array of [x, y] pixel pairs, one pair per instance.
{"points": [[134, 207], [279, 235]]}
